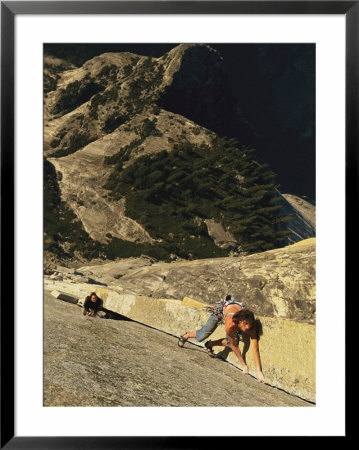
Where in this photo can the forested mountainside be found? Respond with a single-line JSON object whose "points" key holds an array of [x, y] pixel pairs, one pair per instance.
{"points": [[138, 159]]}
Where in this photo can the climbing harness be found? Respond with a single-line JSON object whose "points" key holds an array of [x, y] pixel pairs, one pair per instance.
{"points": [[221, 305]]}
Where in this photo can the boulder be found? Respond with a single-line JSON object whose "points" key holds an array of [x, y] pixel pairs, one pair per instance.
{"points": [[221, 237], [64, 296]]}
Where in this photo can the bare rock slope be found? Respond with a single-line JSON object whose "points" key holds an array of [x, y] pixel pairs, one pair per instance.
{"points": [[133, 365]]}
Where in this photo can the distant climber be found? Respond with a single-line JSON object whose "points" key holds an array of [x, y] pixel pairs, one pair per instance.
{"points": [[236, 319], [93, 306]]}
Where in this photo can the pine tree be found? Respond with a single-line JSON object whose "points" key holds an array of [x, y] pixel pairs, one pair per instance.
{"points": [[168, 192]]}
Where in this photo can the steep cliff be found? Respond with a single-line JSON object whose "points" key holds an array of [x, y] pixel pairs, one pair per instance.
{"points": [[137, 365]]}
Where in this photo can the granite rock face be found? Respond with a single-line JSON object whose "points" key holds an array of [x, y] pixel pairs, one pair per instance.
{"points": [[101, 362], [303, 223], [287, 348], [278, 286], [277, 283]]}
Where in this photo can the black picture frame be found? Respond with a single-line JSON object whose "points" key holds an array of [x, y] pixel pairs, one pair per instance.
{"points": [[9, 9]]}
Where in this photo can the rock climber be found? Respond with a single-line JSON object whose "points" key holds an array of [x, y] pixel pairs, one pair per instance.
{"points": [[93, 306], [237, 319]]}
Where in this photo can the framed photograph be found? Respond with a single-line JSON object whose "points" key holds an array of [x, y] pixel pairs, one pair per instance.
{"points": [[113, 111]]}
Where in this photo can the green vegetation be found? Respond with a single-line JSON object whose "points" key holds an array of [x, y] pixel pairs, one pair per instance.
{"points": [[64, 233], [114, 121], [147, 77], [50, 82], [101, 98], [60, 223], [166, 192], [108, 73], [156, 110], [196, 130], [75, 94], [77, 140], [55, 143], [52, 76], [123, 155], [127, 70], [171, 194], [147, 129]]}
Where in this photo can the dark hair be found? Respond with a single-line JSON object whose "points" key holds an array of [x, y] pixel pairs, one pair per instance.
{"points": [[244, 315], [93, 293]]}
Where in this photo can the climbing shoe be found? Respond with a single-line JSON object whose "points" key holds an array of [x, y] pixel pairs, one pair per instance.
{"points": [[209, 349], [181, 341]]}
